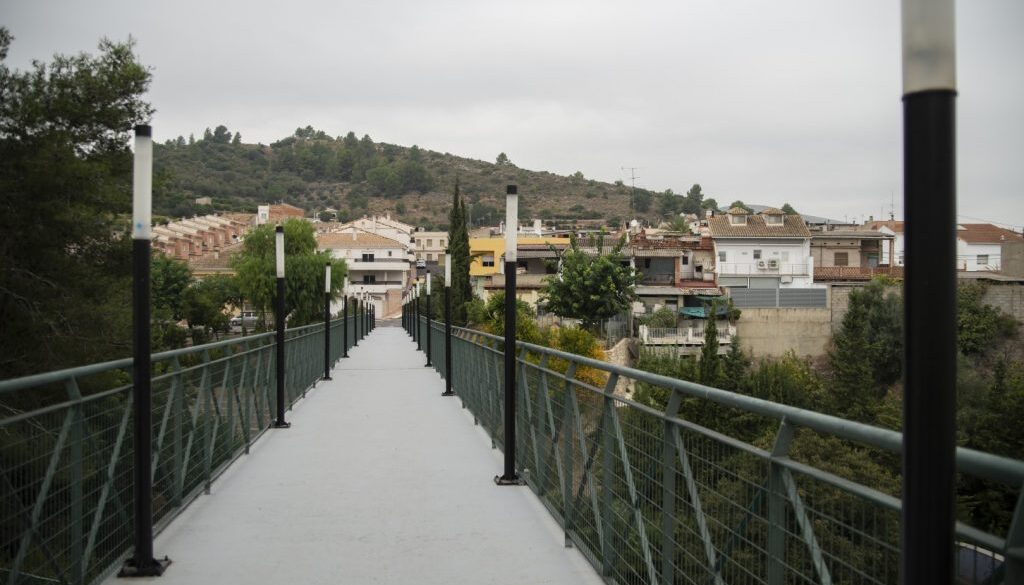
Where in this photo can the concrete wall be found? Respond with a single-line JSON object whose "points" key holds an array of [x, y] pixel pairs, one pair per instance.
{"points": [[1007, 297], [773, 332], [1013, 259]]}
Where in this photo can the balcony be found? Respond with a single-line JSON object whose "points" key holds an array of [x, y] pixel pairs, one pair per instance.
{"points": [[763, 268], [692, 335], [378, 265]]}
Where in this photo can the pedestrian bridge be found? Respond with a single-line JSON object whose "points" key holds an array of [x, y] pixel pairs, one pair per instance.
{"points": [[381, 479]]}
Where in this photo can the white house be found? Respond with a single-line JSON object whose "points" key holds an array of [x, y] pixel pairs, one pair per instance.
{"points": [[381, 225], [892, 250], [377, 265], [979, 246], [769, 250]]}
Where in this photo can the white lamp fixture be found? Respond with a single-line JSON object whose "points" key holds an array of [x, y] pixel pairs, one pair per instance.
{"points": [[327, 279], [428, 282], [279, 245], [447, 269], [142, 184], [929, 45], [511, 222]]}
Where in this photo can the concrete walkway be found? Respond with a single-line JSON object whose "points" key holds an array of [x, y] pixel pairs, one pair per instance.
{"points": [[379, 480]]}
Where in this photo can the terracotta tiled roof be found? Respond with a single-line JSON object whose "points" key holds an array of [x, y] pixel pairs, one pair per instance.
{"points": [[337, 241], [210, 263], [985, 233], [738, 211], [854, 273], [792, 227], [772, 211], [896, 226]]}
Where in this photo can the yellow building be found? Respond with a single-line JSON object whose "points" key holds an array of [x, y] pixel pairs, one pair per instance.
{"points": [[488, 254]]}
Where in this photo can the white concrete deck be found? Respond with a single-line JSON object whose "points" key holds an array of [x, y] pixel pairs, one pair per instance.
{"points": [[379, 480]]}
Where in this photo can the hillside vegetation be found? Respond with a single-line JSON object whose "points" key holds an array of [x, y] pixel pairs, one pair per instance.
{"points": [[357, 176]]}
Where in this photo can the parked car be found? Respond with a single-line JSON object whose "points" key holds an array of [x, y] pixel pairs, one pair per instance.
{"points": [[248, 319]]}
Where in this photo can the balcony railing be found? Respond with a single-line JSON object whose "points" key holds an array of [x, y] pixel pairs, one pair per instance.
{"points": [[691, 335], [762, 268]]}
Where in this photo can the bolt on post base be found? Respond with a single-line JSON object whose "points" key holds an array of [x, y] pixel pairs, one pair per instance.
{"points": [[505, 480], [150, 568], [277, 424]]}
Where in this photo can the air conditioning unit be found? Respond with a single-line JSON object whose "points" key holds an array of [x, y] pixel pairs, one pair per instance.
{"points": [[773, 264], [761, 264]]}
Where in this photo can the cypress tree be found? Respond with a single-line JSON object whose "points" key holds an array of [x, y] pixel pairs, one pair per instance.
{"points": [[458, 247], [710, 367]]}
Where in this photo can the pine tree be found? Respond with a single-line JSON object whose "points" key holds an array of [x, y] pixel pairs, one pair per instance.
{"points": [[735, 366], [458, 247]]}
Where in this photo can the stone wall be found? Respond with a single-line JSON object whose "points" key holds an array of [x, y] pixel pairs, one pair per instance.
{"points": [[1008, 297]]}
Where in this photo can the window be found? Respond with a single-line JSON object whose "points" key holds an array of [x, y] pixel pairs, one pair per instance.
{"points": [[430, 243], [738, 219], [442, 243], [429, 256], [785, 256], [841, 259], [369, 279], [488, 260], [773, 219], [367, 257], [721, 256], [757, 254], [982, 259], [685, 260], [389, 253]]}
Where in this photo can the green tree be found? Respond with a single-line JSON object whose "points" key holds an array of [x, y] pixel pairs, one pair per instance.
{"points": [[850, 358], [979, 326], [502, 159], [588, 287], [304, 271], [735, 366], [709, 203], [64, 135], [741, 205], [642, 201], [788, 209], [710, 365], [458, 247], [490, 316], [204, 306]]}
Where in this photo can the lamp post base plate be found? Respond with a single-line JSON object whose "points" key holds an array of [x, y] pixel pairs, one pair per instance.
{"points": [[326, 378], [447, 393], [281, 425], [151, 568], [503, 480]]}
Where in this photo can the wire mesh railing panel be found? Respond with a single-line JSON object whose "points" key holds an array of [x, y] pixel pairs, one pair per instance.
{"points": [[66, 446], [651, 497]]}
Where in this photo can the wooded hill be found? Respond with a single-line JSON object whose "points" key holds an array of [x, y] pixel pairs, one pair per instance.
{"points": [[357, 176]]}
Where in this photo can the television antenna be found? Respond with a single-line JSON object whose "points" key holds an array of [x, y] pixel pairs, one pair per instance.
{"points": [[632, 187]]}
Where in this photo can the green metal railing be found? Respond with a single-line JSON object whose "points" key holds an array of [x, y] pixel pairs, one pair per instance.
{"points": [[66, 445], [649, 497]]}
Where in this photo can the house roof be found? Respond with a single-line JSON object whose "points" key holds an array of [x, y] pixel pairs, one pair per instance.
{"points": [[771, 211], [849, 235], [737, 211], [896, 226], [792, 227], [209, 262], [985, 233], [336, 241]]}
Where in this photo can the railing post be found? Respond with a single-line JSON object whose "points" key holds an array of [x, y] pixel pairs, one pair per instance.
{"points": [[777, 506], [510, 477], [327, 323], [416, 319], [930, 352], [447, 325], [430, 312], [668, 490], [143, 563], [279, 317]]}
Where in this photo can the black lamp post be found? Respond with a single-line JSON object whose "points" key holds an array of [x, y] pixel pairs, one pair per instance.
{"points": [[929, 395], [344, 318], [279, 318], [447, 324], [510, 477], [143, 563], [327, 321], [430, 311]]}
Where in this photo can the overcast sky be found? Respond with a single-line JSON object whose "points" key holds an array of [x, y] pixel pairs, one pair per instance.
{"points": [[789, 101]]}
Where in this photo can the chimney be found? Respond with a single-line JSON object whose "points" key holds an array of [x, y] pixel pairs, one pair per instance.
{"points": [[708, 213]]}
